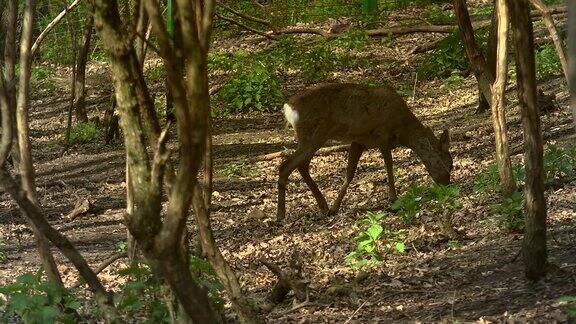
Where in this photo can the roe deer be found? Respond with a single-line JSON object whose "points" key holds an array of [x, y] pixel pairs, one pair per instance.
{"points": [[366, 118]]}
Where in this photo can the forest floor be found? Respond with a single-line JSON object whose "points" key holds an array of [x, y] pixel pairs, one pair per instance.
{"points": [[479, 278]]}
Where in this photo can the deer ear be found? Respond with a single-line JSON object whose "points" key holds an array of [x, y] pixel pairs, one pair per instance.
{"points": [[445, 140]]}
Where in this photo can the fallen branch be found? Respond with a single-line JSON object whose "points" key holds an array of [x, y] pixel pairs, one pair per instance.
{"points": [[290, 279], [80, 208], [244, 26], [105, 264], [403, 30], [302, 30], [243, 15]]}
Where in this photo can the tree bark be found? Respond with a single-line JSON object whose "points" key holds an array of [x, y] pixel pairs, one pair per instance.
{"points": [[25, 166], [477, 61], [158, 238], [507, 183], [11, 16], [483, 104], [534, 244], [80, 80], [572, 59], [556, 39]]}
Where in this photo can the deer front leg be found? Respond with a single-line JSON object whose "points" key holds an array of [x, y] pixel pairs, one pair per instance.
{"points": [[304, 170], [387, 154], [354, 154], [301, 155]]}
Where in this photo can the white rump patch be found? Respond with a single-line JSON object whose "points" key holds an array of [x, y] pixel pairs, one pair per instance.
{"points": [[291, 115]]}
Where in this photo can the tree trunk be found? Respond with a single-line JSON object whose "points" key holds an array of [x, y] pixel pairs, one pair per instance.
{"points": [[25, 166], [572, 59], [11, 20], [477, 62], [507, 183], [74, 42], [534, 245], [556, 39], [483, 104], [80, 81]]}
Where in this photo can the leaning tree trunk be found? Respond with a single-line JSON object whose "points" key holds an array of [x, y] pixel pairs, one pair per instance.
{"points": [[80, 80], [483, 104], [25, 166], [572, 59], [534, 245], [554, 34], [507, 183], [477, 61]]}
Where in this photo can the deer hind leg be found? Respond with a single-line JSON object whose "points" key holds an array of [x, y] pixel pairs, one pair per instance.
{"points": [[354, 154], [304, 170], [302, 154], [387, 155]]}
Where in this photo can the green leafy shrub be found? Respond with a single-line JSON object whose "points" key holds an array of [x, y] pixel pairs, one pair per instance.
{"points": [[509, 212], [141, 293], [237, 169], [559, 164], [488, 181], [409, 204], [205, 277], [35, 300], [255, 89], [445, 197], [156, 73], [437, 16], [547, 62], [85, 132], [448, 56], [373, 241], [455, 79]]}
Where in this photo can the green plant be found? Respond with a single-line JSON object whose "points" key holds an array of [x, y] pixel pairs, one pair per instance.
{"points": [[569, 305], [255, 89], [35, 300], [156, 73], [559, 163], [488, 181], [354, 39], [410, 204], [436, 15], [205, 276], [122, 246], [547, 62], [142, 292], [509, 212], [445, 197], [373, 240], [455, 79], [448, 56], [239, 168], [84, 132]]}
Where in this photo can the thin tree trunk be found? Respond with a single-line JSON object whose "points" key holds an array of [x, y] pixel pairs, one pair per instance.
{"points": [[477, 62], [74, 42], [80, 80], [507, 183], [572, 58], [10, 68], [534, 245], [26, 167], [483, 104], [556, 39]]}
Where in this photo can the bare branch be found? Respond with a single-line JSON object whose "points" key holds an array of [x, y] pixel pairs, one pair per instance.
{"points": [[241, 25], [51, 26], [243, 15]]}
